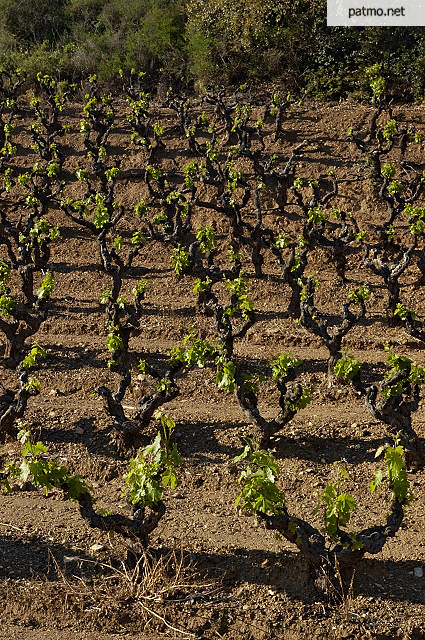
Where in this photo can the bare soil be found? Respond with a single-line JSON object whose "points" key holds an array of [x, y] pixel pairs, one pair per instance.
{"points": [[212, 572]]}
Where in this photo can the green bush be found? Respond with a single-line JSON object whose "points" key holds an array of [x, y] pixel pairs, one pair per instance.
{"points": [[188, 43], [80, 37], [33, 23]]}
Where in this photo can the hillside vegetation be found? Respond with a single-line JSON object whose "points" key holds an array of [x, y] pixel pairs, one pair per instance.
{"points": [[194, 44]]}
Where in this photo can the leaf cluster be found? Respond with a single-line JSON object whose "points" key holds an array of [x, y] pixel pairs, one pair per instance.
{"points": [[207, 239], [180, 259], [259, 493], [225, 376], [43, 472], [153, 468], [337, 505], [196, 352], [282, 364], [403, 313], [301, 401], [397, 478], [46, 287], [34, 355], [359, 295], [347, 367], [239, 286], [414, 374]]}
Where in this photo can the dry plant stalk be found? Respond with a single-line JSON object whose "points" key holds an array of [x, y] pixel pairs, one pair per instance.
{"points": [[151, 581], [337, 594]]}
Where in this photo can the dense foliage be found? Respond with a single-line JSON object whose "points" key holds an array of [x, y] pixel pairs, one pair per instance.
{"points": [[220, 42]]}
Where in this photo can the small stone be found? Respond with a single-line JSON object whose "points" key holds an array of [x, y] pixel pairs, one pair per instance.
{"points": [[53, 392], [68, 559], [418, 572], [322, 460], [97, 547], [79, 430]]}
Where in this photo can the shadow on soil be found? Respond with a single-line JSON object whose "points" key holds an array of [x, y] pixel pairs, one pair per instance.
{"points": [[202, 440], [288, 572], [69, 358], [32, 557], [283, 572]]}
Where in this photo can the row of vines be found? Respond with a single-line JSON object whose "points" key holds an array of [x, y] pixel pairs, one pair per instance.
{"points": [[228, 213]]}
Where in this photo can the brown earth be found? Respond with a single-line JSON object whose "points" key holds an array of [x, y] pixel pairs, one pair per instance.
{"points": [[213, 572]]}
